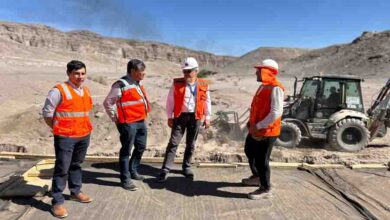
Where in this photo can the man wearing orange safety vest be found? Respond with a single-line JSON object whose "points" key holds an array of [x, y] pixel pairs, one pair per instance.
{"points": [[66, 111], [127, 105], [264, 127], [188, 104]]}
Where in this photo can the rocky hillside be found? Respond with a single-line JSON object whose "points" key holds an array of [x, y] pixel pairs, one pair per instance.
{"points": [[245, 63], [367, 56], [25, 44], [86, 43]]}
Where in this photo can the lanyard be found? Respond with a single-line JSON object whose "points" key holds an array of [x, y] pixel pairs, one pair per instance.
{"points": [[193, 91]]}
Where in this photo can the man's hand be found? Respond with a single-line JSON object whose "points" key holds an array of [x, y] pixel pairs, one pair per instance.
{"points": [[116, 120], [170, 122], [252, 129], [49, 121], [206, 124]]}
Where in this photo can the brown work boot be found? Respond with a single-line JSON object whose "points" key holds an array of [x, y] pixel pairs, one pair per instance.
{"points": [[59, 211], [81, 197]]}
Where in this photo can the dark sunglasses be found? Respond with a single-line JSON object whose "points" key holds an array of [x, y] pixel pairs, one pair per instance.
{"points": [[188, 71]]}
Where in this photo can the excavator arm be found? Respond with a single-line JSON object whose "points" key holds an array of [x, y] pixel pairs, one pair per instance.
{"points": [[379, 112]]}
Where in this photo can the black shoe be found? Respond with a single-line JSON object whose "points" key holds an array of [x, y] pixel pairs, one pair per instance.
{"points": [[251, 181], [129, 186], [188, 173], [163, 177], [136, 176], [260, 193]]}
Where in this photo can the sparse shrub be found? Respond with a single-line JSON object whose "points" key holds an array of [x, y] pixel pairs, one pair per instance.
{"points": [[205, 73]]}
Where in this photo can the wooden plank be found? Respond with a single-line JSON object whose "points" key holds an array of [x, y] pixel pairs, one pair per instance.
{"points": [[43, 169], [16, 155], [284, 165], [320, 166], [27, 156], [87, 158], [274, 165], [29, 186], [7, 158], [241, 164], [368, 166], [217, 165]]}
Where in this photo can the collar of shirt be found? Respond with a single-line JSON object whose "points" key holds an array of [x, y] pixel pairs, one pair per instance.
{"points": [[131, 80], [79, 91], [192, 88], [74, 86]]}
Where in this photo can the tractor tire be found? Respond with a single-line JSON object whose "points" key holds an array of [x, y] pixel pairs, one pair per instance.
{"points": [[349, 134], [290, 135]]}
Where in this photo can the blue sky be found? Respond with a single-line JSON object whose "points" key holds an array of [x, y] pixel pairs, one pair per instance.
{"points": [[226, 27]]}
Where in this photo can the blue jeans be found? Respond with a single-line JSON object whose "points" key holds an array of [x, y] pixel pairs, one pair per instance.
{"points": [[134, 133], [70, 153]]}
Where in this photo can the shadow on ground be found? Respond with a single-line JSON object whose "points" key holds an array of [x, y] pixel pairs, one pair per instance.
{"points": [[176, 182]]}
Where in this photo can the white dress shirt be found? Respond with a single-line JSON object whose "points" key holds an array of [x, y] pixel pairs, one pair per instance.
{"points": [[189, 101], [276, 111]]}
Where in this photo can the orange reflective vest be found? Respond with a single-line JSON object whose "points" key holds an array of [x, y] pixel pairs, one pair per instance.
{"points": [[260, 108], [133, 104], [71, 118], [201, 97]]}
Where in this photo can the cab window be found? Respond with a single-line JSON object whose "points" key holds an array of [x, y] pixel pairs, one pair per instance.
{"points": [[353, 98]]}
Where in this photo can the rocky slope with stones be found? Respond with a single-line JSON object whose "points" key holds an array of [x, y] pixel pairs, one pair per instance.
{"points": [[367, 56], [86, 42]]}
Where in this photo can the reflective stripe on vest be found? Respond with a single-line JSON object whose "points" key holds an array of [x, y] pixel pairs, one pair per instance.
{"points": [[124, 82], [68, 95], [127, 87], [71, 118], [71, 114], [132, 104]]}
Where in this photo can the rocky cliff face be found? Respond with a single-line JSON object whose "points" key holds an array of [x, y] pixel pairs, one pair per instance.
{"points": [[85, 42], [366, 56]]}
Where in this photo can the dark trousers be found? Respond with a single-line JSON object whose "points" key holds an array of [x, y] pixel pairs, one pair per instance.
{"points": [[70, 153], [258, 154], [134, 133], [185, 122]]}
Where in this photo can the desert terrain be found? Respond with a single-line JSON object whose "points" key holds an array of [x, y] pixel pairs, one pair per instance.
{"points": [[33, 60]]}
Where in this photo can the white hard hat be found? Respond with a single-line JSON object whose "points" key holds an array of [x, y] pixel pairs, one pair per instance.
{"points": [[269, 63], [189, 63]]}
